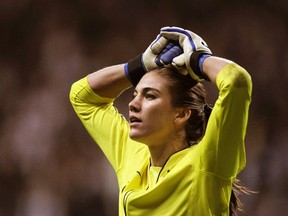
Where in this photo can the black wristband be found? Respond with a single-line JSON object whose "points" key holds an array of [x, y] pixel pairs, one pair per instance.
{"points": [[134, 69], [194, 63]]}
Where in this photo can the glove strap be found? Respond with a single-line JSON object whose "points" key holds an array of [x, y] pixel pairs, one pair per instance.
{"points": [[134, 70], [196, 62]]}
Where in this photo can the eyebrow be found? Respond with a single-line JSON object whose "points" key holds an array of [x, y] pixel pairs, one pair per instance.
{"points": [[146, 89]]}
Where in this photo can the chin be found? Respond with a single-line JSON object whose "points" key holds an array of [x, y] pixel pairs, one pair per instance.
{"points": [[134, 137], [137, 137]]}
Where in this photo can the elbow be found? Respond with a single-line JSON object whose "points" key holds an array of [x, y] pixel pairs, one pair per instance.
{"points": [[234, 78], [242, 81], [73, 93], [242, 78], [237, 77]]}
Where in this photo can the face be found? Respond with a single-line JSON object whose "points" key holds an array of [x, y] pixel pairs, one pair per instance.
{"points": [[151, 114]]}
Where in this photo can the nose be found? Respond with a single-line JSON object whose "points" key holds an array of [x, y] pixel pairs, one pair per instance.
{"points": [[134, 105]]}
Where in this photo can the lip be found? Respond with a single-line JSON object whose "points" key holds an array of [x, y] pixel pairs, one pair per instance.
{"points": [[134, 120], [134, 124]]}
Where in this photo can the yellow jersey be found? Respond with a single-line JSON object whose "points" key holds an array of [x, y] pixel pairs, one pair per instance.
{"points": [[196, 181]]}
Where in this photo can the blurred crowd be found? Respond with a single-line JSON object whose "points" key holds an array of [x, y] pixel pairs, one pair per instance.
{"points": [[50, 166]]}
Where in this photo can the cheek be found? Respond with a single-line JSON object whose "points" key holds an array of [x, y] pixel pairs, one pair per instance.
{"points": [[161, 115]]}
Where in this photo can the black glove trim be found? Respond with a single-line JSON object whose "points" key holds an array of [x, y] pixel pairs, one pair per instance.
{"points": [[134, 70], [194, 63]]}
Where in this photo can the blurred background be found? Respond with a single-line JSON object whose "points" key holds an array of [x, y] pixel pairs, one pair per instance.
{"points": [[50, 166]]}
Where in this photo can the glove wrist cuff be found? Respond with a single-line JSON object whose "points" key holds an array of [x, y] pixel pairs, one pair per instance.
{"points": [[134, 69], [196, 62]]}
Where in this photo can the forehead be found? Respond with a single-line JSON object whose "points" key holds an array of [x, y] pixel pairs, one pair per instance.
{"points": [[154, 81]]}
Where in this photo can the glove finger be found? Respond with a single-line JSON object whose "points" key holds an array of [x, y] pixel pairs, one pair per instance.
{"points": [[179, 61], [172, 29], [184, 37], [158, 44], [170, 54], [158, 61], [166, 48], [172, 33], [179, 64], [182, 70], [169, 46]]}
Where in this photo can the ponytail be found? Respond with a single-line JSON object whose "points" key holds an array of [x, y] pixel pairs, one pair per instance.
{"points": [[235, 203]]}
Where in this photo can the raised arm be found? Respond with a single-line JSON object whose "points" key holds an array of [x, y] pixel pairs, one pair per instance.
{"points": [[213, 65], [109, 82], [96, 111], [222, 148]]}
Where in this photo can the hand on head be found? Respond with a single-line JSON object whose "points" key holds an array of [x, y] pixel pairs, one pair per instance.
{"points": [[183, 49], [195, 50]]}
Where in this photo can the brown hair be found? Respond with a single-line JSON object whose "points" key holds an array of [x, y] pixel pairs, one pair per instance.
{"points": [[187, 92]]}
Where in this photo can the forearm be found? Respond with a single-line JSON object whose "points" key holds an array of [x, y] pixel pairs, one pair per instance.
{"points": [[213, 65], [109, 82]]}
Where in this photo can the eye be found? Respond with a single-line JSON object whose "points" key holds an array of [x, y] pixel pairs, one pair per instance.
{"points": [[150, 96]]}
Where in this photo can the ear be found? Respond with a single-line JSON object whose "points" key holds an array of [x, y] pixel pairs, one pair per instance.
{"points": [[182, 116]]}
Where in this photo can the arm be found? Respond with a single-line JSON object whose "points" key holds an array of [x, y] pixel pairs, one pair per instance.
{"points": [[222, 149], [213, 65], [102, 121], [109, 82], [92, 99]]}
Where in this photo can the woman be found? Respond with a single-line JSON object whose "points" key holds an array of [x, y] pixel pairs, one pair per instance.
{"points": [[164, 163]]}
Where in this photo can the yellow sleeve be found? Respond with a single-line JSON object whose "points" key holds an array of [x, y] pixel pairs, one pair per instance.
{"points": [[222, 149], [107, 127]]}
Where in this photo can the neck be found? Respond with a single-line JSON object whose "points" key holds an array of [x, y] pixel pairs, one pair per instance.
{"points": [[160, 152]]}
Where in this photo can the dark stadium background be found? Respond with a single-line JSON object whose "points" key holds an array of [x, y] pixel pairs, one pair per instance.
{"points": [[49, 166]]}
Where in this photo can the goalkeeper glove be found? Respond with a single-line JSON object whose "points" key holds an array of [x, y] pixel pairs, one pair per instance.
{"points": [[195, 51]]}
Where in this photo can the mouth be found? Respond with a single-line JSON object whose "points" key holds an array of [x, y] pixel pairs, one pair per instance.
{"points": [[134, 120]]}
